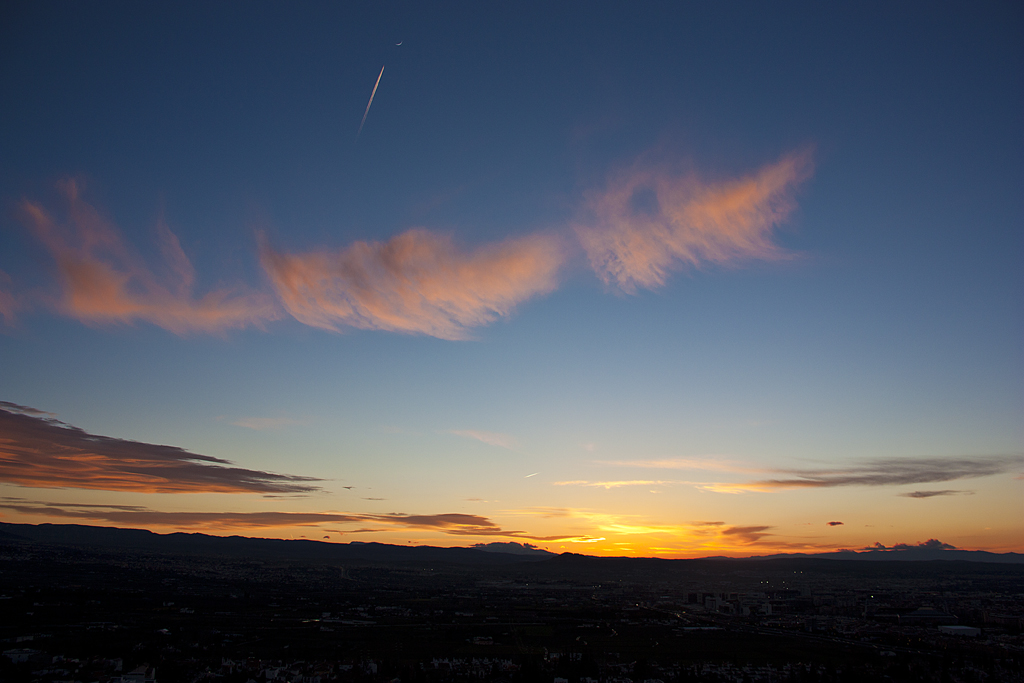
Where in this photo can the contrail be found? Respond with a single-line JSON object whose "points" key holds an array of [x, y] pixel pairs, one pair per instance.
{"points": [[370, 102]]}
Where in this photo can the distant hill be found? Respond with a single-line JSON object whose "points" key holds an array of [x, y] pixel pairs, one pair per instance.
{"points": [[513, 548], [114, 539], [913, 554], [483, 554]]}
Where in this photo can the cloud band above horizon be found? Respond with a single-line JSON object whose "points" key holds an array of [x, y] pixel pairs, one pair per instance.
{"points": [[452, 523], [885, 472], [41, 452]]}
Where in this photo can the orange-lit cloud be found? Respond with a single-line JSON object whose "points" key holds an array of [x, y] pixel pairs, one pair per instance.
{"points": [[490, 438], [546, 512], [648, 222], [104, 281], [418, 282], [684, 464], [39, 451], [614, 484], [635, 231]]}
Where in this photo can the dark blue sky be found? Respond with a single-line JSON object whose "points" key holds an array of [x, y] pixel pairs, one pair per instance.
{"points": [[876, 314]]}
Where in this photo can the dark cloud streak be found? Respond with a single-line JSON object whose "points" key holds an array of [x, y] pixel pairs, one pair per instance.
{"points": [[454, 524], [23, 410], [932, 494], [42, 452], [930, 544], [895, 472], [747, 534]]}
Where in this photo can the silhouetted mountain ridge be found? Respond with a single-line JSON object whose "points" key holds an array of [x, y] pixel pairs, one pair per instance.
{"points": [[904, 555], [115, 539], [492, 554]]}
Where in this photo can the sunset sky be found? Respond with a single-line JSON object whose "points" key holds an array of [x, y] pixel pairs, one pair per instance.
{"points": [[658, 279]]}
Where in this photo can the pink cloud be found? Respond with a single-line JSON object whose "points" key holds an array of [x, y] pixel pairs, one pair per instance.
{"points": [[490, 438], [648, 222], [104, 281], [418, 282]]}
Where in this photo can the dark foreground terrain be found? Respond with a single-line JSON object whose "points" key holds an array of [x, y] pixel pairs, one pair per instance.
{"points": [[202, 608]]}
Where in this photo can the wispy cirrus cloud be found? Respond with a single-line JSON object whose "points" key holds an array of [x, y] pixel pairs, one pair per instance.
{"points": [[104, 281], [418, 282], [490, 438], [39, 451], [882, 472], [545, 512], [638, 228], [454, 524], [700, 463], [614, 484], [264, 423], [648, 222]]}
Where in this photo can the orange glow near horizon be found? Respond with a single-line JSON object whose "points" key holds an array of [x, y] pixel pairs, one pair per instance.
{"points": [[664, 543]]}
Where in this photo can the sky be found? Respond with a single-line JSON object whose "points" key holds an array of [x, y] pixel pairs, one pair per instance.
{"points": [[663, 280]]}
